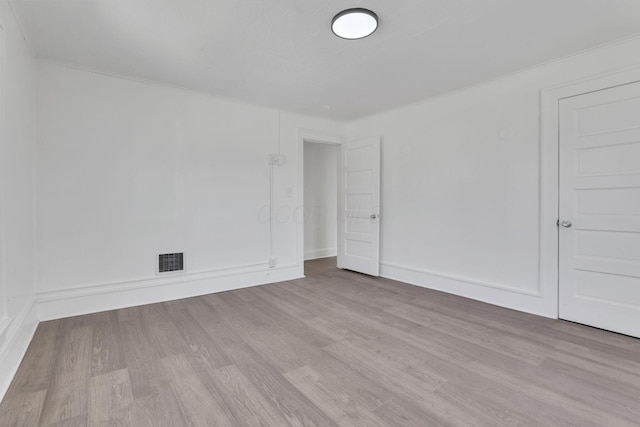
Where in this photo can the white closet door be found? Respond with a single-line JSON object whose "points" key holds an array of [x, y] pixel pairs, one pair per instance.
{"points": [[600, 209]]}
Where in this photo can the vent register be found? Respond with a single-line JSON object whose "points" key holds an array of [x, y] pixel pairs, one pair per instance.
{"points": [[170, 262]]}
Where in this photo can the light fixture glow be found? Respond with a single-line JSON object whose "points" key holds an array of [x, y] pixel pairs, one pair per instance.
{"points": [[353, 24]]}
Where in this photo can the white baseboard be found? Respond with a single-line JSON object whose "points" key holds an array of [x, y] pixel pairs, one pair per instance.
{"points": [[93, 299], [320, 253], [528, 301], [18, 335]]}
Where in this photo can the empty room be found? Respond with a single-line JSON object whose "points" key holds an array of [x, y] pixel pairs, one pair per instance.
{"points": [[319, 213]]}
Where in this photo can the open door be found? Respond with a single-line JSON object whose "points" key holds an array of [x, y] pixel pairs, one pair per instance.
{"points": [[359, 206]]}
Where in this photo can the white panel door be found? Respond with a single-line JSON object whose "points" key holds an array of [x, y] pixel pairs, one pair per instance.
{"points": [[600, 209], [359, 206]]}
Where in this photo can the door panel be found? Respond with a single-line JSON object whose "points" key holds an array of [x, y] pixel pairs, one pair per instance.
{"points": [[359, 207], [600, 196]]}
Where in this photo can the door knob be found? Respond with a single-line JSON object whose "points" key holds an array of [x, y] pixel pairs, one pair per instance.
{"points": [[373, 216], [566, 224]]}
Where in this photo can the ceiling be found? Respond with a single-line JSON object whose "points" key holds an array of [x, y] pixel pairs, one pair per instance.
{"points": [[282, 53]]}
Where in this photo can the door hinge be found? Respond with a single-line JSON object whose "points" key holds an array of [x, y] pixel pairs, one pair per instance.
{"points": [[558, 223]]}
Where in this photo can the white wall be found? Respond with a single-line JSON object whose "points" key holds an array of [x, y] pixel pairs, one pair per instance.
{"points": [[129, 169], [320, 200], [461, 184], [17, 196]]}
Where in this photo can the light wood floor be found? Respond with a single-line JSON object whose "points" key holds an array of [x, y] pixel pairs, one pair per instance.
{"points": [[336, 348]]}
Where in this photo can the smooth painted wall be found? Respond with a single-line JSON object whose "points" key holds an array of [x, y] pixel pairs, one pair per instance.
{"points": [[461, 184], [320, 200], [130, 169], [17, 195]]}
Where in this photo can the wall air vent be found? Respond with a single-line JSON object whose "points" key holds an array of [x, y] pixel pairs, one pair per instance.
{"points": [[170, 262]]}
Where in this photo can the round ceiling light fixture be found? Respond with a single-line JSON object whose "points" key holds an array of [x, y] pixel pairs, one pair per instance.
{"points": [[353, 24]]}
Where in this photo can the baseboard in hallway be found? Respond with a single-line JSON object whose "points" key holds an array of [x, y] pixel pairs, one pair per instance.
{"points": [[310, 255]]}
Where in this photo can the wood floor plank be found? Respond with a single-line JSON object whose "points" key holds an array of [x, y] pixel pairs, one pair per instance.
{"points": [[78, 421], [107, 353], [330, 398], [285, 303], [67, 392], [429, 368], [334, 330], [206, 351], [280, 347], [22, 409], [162, 330], [159, 410], [294, 325], [501, 341], [611, 358], [246, 403], [109, 397], [591, 367], [37, 366], [499, 320], [581, 334], [138, 345], [147, 378], [597, 389], [297, 409], [560, 404], [197, 404], [358, 355], [398, 413], [85, 320]]}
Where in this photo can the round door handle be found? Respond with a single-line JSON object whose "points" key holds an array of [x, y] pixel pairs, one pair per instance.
{"points": [[566, 224], [374, 216]]}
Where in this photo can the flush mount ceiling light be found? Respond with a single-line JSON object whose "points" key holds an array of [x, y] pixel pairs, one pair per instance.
{"points": [[353, 24]]}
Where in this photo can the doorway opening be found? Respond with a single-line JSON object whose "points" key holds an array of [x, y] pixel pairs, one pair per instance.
{"points": [[320, 166]]}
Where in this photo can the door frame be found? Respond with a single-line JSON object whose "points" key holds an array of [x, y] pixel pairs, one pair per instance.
{"points": [[549, 172], [305, 135]]}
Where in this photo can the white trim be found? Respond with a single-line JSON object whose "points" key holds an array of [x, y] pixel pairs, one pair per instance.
{"points": [[305, 135], [4, 309], [96, 298], [549, 168], [4, 325], [461, 279], [155, 281], [505, 296], [320, 253], [17, 339]]}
